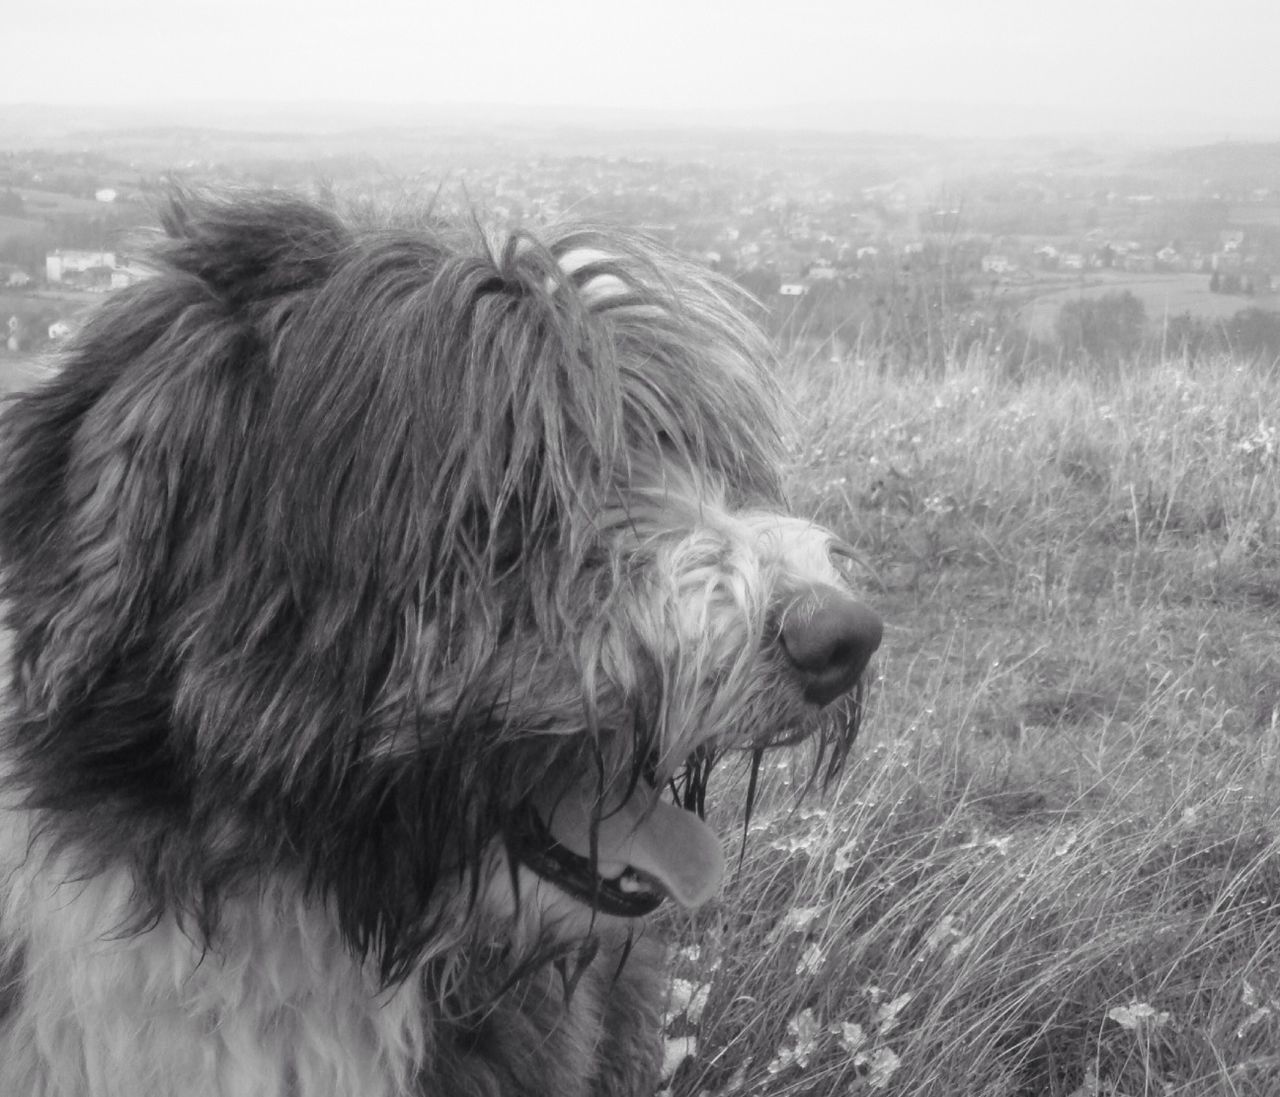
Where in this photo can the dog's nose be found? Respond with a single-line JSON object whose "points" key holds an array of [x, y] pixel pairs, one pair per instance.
{"points": [[829, 638]]}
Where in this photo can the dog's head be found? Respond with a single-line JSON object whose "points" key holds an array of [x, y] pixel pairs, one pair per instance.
{"points": [[383, 553]]}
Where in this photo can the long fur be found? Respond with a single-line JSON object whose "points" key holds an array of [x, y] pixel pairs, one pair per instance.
{"points": [[328, 551]]}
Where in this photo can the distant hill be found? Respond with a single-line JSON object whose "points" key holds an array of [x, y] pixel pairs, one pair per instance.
{"points": [[1235, 163], [28, 123]]}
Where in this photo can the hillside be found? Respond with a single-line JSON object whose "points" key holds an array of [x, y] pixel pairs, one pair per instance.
{"points": [[1052, 868]]}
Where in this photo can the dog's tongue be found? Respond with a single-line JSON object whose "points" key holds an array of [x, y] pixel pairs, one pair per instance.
{"points": [[666, 843]]}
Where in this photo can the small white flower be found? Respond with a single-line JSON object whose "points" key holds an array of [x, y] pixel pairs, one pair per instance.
{"points": [[849, 1035], [800, 919], [687, 1000], [804, 1027], [675, 1050], [781, 1061], [887, 1014], [844, 858], [881, 1065], [1259, 1010], [812, 960], [690, 954], [804, 1030], [1137, 1015], [942, 933]]}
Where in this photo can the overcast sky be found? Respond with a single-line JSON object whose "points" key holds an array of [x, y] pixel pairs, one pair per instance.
{"points": [[1152, 59]]}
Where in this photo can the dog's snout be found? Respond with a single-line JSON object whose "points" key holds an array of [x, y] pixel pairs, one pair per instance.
{"points": [[828, 638]]}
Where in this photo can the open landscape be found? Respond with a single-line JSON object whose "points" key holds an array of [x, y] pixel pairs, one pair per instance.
{"points": [[1051, 867], [1164, 297]]}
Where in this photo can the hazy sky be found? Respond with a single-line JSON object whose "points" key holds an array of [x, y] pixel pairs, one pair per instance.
{"points": [[1141, 58]]}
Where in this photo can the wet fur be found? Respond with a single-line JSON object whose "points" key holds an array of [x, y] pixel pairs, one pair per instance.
{"points": [[324, 549]]}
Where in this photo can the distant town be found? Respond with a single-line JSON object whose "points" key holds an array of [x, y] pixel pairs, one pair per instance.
{"points": [[853, 245]]}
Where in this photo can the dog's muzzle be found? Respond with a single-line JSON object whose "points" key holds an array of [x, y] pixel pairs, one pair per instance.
{"points": [[829, 638], [623, 851]]}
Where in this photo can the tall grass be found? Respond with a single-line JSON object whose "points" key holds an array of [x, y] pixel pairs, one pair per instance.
{"points": [[1052, 867]]}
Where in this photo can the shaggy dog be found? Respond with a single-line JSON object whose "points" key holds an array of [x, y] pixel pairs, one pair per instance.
{"points": [[381, 594]]}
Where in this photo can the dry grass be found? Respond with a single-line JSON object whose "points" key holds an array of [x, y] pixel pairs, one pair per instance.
{"points": [[1053, 867]]}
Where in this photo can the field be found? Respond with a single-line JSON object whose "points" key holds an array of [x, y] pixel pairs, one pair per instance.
{"points": [[18, 226], [1163, 295], [1052, 869], [42, 202]]}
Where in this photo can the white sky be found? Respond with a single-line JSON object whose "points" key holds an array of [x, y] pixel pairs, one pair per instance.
{"points": [[1154, 58]]}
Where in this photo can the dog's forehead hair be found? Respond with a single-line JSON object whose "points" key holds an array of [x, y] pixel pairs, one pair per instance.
{"points": [[594, 287], [795, 546], [689, 513]]}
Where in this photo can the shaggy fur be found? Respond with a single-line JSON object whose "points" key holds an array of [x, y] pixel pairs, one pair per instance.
{"points": [[381, 594]]}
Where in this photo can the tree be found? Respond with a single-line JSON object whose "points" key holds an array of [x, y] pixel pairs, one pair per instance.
{"points": [[1107, 329], [1253, 333]]}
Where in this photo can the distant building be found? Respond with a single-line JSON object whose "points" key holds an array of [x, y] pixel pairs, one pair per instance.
{"points": [[1232, 239], [128, 275], [58, 264]]}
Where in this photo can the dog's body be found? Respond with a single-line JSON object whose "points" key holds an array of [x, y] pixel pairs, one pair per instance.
{"points": [[369, 584]]}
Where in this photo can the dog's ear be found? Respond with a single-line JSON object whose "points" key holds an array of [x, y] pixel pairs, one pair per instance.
{"points": [[93, 467], [249, 249], [121, 476]]}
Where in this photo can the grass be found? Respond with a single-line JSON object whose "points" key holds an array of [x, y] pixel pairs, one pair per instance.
{"points": [[1052, 867]]}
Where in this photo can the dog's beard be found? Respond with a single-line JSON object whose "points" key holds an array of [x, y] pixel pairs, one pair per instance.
{"points": [[623, 846]]}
